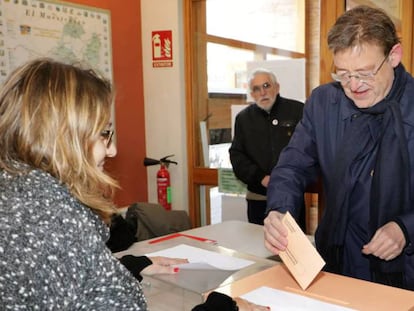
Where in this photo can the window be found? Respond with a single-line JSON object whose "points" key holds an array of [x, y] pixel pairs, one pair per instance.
{"points": [[270, 23], [254, 32]]}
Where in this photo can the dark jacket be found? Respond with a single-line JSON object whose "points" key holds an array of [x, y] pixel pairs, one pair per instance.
{"points": [[259, 137], [312, 150]]}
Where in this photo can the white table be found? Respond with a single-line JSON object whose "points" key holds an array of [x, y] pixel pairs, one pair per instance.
{"points": [[241, 236], [238, 235]]}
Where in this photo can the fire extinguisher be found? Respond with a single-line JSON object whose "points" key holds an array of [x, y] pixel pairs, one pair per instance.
{"points": [[163, 180]]}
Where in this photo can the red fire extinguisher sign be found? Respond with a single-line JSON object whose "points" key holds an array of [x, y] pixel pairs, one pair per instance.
{"points": [[162, 48]]}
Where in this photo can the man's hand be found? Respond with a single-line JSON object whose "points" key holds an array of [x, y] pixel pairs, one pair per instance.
{"points": [[387, 243], [275, 233], [265, 181], [163, 265]]}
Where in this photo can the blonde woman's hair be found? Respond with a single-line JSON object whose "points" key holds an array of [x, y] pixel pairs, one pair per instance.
{"points": [[50, 117]]}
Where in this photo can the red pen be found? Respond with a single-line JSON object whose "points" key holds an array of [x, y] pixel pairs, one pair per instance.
{"points": [[177, 235], [165, 238]]}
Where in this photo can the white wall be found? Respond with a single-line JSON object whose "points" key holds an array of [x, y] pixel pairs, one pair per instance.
{"points": [[164, 95]]}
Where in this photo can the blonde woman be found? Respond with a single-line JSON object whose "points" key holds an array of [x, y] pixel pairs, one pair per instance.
{"points": [[55, 198]]}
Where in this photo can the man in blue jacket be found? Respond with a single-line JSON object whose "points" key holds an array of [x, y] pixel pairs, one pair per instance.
{"points": [[261, 131], [358, 134]]}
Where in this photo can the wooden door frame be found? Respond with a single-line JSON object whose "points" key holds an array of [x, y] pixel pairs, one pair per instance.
{"points": [[197, 97]]}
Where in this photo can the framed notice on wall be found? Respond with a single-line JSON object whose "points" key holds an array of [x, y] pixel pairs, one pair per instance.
{"points": [[162, 49], [63, 31]]}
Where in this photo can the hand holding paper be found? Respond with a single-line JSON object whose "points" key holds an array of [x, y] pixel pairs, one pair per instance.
{"points": [[301, 257], [201, 259]]}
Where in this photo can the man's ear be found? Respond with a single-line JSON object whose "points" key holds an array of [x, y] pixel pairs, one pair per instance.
{"points": [[396, 55], [277, 86]]}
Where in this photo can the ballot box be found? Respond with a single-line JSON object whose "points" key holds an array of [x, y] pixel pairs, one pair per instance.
{"points": [[276, 287]]}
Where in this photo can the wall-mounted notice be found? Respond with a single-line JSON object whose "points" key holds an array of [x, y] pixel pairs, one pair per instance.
{"points": [[228, 182], [162, 51], [63, 31]]}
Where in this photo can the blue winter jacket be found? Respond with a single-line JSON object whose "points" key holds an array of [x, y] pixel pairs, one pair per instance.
{"points": [[311, 151]]}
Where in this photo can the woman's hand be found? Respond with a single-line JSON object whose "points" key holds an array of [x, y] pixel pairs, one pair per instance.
{"points": [[245, 305], [163, 265]]}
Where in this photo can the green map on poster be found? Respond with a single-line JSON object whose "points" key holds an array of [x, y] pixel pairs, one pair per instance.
{"points": [[66, 32]]}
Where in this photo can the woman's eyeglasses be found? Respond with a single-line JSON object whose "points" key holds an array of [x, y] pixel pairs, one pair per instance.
{"points": [[107, 136]]}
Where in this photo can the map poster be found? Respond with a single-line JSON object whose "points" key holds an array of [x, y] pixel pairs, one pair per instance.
{"points": [[63, 31]]}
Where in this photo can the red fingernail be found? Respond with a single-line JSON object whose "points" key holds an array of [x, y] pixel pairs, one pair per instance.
{"points": [[176, 269], [268, 308]]}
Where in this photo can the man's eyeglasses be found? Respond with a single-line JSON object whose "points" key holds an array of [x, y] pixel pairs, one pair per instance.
{"points": [[259, 88], [107, 136], [361, 76]]}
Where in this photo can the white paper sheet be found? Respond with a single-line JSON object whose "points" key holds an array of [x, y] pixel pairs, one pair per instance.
{"points": [[202, 259], [281, 300]]}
